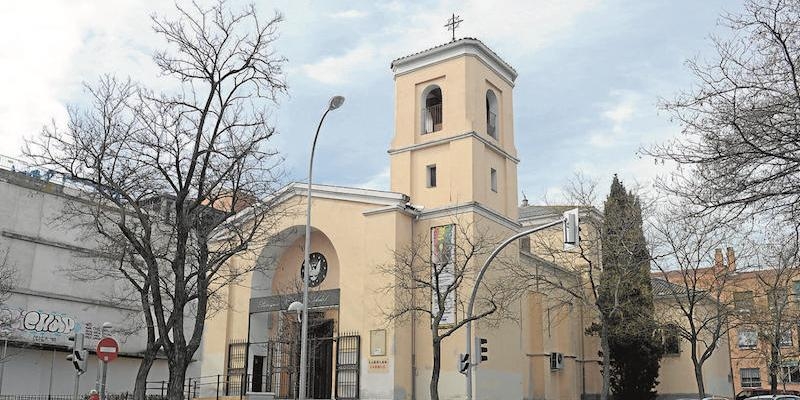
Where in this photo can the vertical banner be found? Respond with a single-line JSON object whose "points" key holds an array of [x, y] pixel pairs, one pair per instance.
{"points": [[443, 254]]}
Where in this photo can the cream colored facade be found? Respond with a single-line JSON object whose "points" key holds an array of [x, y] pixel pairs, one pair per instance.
{"points": [[676, 376], [454, 116]]}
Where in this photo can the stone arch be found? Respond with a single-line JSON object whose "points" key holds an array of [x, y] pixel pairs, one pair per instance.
{"points": [[492, 113], [432, 109]]}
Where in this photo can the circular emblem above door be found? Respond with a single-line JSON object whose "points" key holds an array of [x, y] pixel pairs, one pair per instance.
{"points": [[319, 269]]}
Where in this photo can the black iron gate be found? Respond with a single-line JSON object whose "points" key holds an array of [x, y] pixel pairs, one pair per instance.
{"points": [[277, 367], [237, 353], [348, 354]]}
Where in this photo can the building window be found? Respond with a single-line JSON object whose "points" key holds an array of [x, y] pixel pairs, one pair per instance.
{"points": [[743, 301], [671, 339], [491, 113], [748, 338], [432, 109], [790, 373], [493, 179], [777, 299], [786, 338], [431, 175], [796, 292], [750, 377]]}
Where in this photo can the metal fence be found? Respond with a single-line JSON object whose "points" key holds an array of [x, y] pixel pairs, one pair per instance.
{"points": [[276, 369], [348, 354], [84, 396]]}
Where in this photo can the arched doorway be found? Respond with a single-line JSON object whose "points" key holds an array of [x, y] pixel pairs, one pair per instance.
{"points": [[274, 332]]}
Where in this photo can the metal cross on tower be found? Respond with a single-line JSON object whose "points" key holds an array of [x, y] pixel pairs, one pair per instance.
{"points": [[453, 23]]}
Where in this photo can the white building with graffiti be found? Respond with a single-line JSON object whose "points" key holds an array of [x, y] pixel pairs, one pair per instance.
{"points": [[49, 300]]}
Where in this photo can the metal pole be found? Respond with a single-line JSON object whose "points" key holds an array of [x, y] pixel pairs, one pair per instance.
{"points": [[97, 380], [50, 383], [3, 366], [307, 269], [475, 292], [77, 384], [103, 381]]}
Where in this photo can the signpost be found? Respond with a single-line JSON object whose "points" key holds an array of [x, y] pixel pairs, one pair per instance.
{"points": [[107, 351]]}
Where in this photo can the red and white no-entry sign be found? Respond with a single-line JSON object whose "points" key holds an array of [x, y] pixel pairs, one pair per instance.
{"points": [[107, 349]]}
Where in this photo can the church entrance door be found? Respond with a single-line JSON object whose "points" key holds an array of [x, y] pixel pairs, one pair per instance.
{"points": [[320, 359]]}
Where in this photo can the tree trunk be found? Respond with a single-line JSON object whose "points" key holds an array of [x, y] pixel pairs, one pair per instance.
{"points": [[437, 365], [177, 377], [698, 376], [698, 370], [606, 362], [140, 386], [773, 376]]}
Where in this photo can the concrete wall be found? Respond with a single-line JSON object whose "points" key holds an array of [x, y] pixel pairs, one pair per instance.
{"points": [[28, 371], [49, 302]]}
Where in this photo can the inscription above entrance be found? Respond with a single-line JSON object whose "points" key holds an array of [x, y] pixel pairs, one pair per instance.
{"points": [[280, 302]]}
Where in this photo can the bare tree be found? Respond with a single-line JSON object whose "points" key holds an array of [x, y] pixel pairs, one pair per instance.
{"points": [[7, 279], [174, 179], [433, 275], [740, 149], [687, 255]]}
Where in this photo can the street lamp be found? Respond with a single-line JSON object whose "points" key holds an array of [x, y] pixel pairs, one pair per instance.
{"points": [[334, 103], [5, 333]]}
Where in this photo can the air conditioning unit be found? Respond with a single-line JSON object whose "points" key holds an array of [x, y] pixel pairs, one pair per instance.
{"points": [[556, 361]]}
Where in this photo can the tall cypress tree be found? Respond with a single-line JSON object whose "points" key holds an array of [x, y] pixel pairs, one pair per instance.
{"points": [[626, 298]]}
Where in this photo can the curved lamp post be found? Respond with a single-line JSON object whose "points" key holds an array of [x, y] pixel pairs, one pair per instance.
{"points": [[334, 103]]}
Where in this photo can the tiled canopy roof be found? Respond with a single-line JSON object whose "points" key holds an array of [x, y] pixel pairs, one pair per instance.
{"points": [[451, 44]]}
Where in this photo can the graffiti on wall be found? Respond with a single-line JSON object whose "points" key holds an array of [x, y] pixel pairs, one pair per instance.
{"points": [[39, 326]]}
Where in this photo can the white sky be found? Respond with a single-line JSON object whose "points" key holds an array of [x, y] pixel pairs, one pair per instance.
{"points": [[590, 74]]}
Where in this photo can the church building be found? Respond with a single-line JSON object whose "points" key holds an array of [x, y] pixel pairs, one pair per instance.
{"points": [[453, 177]]}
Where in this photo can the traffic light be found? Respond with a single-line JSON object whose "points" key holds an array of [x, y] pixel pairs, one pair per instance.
{"points": [[572, 237], [463, 363], [481, 350], [77, 354]]}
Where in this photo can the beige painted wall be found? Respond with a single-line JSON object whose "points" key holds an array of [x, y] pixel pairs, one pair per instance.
{"points": [[463, 162], [676, 375]]}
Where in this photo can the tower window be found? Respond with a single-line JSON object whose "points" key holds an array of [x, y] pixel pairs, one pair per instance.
{"points": [[493, 179], [432, 110], [431, 175], [491, 113]]}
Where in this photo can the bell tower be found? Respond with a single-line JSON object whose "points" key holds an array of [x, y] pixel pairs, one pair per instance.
{"points": [[454, 128]]}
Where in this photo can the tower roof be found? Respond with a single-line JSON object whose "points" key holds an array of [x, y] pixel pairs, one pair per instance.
{"points": [[452, 49]]}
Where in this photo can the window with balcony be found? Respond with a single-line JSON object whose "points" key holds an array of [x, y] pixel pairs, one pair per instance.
{"points": [[432, 109], [491, 113], [790, 372]]}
